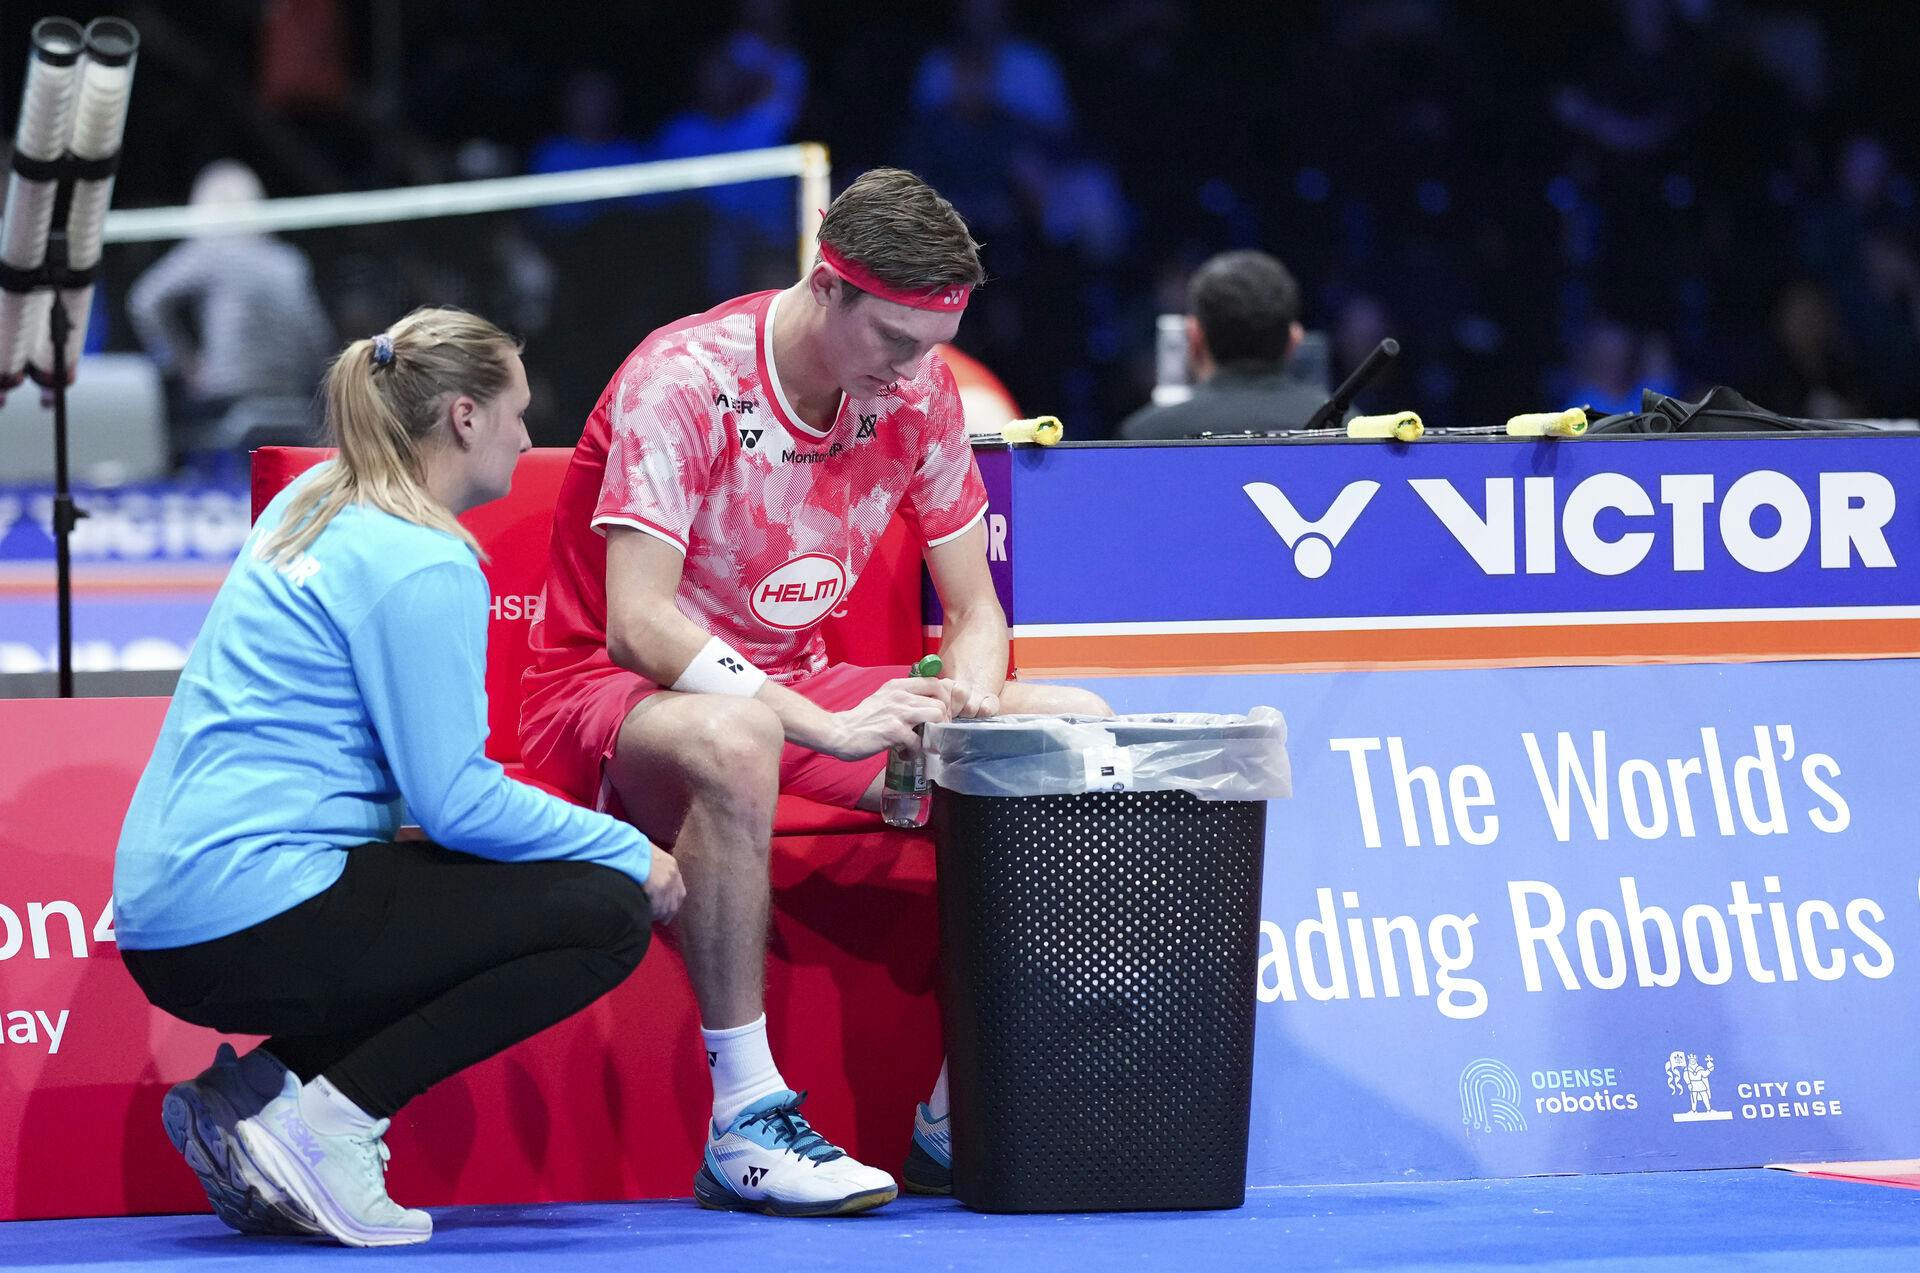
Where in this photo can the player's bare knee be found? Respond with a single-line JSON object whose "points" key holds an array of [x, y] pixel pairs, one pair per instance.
{"points": [[1064, 700], [733, 745], [1081, 702]]}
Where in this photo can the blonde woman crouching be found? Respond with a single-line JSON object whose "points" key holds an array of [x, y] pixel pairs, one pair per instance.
{"points": [[258, 886]]}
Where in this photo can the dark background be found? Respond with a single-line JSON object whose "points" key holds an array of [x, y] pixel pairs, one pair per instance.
{"points": [[1545, 203]]}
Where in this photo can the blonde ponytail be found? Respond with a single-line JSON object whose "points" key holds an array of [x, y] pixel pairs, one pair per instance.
{"points": [[385, 397]]}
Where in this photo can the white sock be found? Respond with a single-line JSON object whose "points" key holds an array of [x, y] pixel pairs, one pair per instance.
{"points": [[742, 1068], [329, 1112], [937, 1103]]}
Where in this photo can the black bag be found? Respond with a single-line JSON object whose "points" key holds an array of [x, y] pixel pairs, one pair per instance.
{"points": [[1721, 411]]}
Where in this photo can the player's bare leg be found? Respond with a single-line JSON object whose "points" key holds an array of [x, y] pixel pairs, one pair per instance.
{"points": [[1021, 698], [702, 772]]}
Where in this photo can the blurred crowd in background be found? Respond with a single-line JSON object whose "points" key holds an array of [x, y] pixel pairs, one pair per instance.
{"points": [[1545, 204]]}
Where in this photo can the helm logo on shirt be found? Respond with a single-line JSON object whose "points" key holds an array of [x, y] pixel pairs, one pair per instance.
{"points": [[799, 594]]}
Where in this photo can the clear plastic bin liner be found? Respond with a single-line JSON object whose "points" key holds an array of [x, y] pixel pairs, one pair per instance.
{"points": [[1214, 757]]}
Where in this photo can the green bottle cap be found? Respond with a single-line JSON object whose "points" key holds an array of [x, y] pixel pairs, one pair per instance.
{"points": [[928, 665]]}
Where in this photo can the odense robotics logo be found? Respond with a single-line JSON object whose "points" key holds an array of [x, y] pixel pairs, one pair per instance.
{"points": [[1490, 1097]]}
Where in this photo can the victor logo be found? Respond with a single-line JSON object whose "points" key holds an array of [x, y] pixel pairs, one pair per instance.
{"points": [[1312, 542], [1611, 523], [867, 425], [1490, 1097]]}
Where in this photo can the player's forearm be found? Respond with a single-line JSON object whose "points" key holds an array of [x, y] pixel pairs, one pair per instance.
{"points": [[973, 647], [658, 644], [805, 723]]}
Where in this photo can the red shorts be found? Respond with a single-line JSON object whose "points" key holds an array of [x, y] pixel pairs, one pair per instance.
{"points": [[570, 739]]}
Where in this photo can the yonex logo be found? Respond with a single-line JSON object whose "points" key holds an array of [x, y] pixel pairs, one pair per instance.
{"points": [[750, 438], [752, 1177], [953, 295], [736, 667], [1490, 1097], [1312, 542]]}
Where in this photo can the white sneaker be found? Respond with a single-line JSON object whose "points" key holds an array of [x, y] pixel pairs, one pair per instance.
{"points": [[769, 1159], [202, 1115], [341, 1181]]}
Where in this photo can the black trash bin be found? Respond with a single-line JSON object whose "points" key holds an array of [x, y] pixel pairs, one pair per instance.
{"points": [[1099, 950]]}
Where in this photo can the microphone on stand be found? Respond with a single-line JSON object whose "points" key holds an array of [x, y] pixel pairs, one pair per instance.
{"points": [[1336, 407]]}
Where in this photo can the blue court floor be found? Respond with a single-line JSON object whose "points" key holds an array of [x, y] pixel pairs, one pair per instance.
{"points": [[1656, 1221]]}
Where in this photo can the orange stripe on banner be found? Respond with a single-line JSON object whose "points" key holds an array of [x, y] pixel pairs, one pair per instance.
{"points": [[1244, 652], [195, 582]]}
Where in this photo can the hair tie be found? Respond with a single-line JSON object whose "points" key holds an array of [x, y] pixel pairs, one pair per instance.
{"points": [[382, 350]]}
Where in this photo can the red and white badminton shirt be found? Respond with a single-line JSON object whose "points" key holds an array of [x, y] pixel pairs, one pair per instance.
{"points": [[694, 443]]}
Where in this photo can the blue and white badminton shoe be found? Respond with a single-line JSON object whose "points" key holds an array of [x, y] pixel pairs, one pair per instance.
{"points": [[929, 1167], [770, 1159]]}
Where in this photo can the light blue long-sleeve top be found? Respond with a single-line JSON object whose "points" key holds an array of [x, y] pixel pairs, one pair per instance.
{"points": [[323, 698]]}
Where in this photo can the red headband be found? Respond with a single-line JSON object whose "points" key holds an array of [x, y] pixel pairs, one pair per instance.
{"points": [[946, 300]]}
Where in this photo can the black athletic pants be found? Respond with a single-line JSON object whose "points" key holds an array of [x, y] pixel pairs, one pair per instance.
{"points": [[416, 964]]}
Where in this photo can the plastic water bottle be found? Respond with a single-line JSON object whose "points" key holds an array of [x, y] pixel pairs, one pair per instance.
{"points": [[905, 796]]}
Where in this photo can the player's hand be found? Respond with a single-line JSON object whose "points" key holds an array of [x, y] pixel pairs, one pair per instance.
{"points": [[969, 703], [888, 717], [664, 887]]}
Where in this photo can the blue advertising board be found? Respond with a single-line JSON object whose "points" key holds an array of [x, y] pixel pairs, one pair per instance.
{"points": [[1598, 857], [1582, 919], [1175, 557], [147, 561]]}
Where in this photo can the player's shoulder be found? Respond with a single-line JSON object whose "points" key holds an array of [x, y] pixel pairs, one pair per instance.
{"points": [[700, 345]]}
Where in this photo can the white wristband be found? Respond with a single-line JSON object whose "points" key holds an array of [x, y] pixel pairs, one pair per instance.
{"points": [[720, 669]]}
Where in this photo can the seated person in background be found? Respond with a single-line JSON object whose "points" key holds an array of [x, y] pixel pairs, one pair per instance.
{"points": [[230, 318], [1243, 322], [258, 888], [726, 493]]}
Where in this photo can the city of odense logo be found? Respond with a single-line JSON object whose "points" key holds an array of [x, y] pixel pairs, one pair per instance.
{"points": [[1690, 1078], [800, 593]]}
